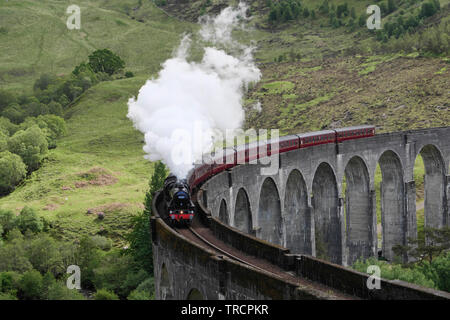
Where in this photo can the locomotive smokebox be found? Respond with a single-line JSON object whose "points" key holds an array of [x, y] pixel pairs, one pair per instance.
{"points": [[177, 195]]}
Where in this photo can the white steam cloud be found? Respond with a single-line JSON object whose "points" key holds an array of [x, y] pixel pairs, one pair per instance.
{"points": [[189, 101]]}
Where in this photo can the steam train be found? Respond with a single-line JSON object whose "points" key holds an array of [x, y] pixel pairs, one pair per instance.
{"points": [[182, 209]]}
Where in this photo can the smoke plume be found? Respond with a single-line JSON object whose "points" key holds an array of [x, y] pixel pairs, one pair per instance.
{"points": [[196, 97]]}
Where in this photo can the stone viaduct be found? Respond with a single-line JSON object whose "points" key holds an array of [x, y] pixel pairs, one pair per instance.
{"points": [[322, 201]]}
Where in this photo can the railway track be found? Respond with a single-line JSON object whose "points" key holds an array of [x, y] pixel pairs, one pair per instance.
{"points": [[190, 233]]}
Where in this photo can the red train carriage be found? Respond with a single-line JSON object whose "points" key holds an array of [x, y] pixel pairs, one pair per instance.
{"points": [[250, 152], [247, 153], [358, 132], [315, 138]]}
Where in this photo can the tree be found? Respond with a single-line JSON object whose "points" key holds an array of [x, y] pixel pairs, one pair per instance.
{"points": [[87, 258], [52, 126], [7, 127], [7, 220], [140, 238], [105, 61], [31, 285], [3, 141], [28, 219], [434, 243], [12, 171], [31, 145], [105, 295], [44, 81], [14, 112], [43, 253], [59, 291], [6, 99], [55, 108], [427, 10], [391, 6], [9, 282]]}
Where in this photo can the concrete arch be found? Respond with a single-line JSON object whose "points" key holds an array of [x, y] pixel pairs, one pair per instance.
{"points": [[434, 185], [297, 214], [165, 289], [194, 294], [392, 203], [223, 212], [327, 222], [269, 213], [242, 212], [358, 211]]}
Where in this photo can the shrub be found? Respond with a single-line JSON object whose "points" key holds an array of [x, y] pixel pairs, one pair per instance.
{"points": [[105, 295], [12, 171], [105, 61], [6, 99], [12, 254], [44, 81], [129, 74], [55, 108], [7, 296], [59, 291], [101, 242], [3, 141], [44, 254], [51, 125], [31, 145], [28, 219], [7, 127], [15, 113], [7, 220], [139, 295], [31, 285], [9, 282]]}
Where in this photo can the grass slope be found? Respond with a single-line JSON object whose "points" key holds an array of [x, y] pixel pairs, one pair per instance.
{"points": [[98, 166], [37, 40]]}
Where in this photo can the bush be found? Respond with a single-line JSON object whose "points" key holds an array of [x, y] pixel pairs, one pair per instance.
{"points": [[105, 61], [44, 254], [6, 98], [51, 125], [9, 282], [55, 108], [112, 273], [129, 74], [28, 219], [59, 291], [102, 243], [139, 295], [7, 220], [3, 142], [105, 295], [13, 255], [44, 81], [15, 113], [12, 171], [7, 296], [31, 285], [31, 145], [7, 127]]}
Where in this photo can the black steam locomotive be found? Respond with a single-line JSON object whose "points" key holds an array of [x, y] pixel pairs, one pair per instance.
{"points": [[180, 208]]}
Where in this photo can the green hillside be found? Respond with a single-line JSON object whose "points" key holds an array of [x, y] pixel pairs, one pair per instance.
{"points": [[99, 165], [35, 39]]}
